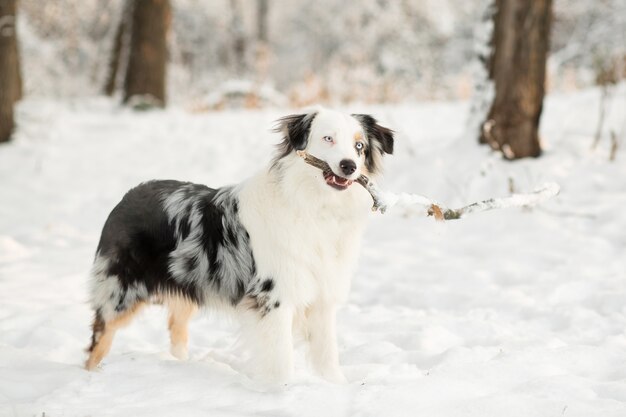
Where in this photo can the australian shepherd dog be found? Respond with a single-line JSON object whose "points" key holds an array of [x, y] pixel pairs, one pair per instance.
{"points": [[277, 250]]}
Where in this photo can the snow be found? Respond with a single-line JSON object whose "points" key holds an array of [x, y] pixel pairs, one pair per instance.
{"points": [[517, 312]]}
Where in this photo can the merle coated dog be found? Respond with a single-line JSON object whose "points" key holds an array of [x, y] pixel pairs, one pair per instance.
{"points": [[277, 250]]}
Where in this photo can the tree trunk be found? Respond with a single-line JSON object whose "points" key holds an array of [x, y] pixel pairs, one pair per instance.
{"points": [[19, 86], [145, 73], [120, 44], [239, 37], [262, 58], [18, 67], [521, 40], [484, 89], [10, 88], [262, 12]]}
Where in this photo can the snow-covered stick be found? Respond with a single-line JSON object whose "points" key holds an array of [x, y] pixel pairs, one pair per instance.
{"points": [[419, 204]]}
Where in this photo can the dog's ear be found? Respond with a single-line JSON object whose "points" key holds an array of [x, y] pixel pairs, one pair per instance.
{"points": [[296, 129], [380, 141], [376, 132]]}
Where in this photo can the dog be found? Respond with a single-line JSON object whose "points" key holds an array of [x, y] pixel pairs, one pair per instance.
{"points": [[278, 249]]}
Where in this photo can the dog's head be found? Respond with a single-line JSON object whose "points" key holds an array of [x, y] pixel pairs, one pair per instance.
{"points": [[351, 144]]}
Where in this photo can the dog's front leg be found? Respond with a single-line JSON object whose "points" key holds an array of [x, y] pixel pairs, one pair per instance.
{"points": [[323, 341], [273, 339]]}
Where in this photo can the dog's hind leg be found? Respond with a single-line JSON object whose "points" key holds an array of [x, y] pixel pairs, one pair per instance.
{"points": [[103, 332], [180, 312]]}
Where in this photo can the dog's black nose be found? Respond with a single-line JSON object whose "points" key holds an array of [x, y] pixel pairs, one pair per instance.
{"points": [[347, 166]]}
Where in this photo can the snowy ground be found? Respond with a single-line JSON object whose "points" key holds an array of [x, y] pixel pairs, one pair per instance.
{"points": [[506, 313]]}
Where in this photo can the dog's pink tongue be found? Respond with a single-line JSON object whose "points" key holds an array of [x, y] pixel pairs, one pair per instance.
{"points": [[336, 180]]}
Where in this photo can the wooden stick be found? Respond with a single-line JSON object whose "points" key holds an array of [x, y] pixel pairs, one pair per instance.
{"points": [[385, 200], [365, 182]]}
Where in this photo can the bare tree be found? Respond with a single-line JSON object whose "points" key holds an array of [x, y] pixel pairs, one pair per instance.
{"points": [[483, 94], [262, 14], [607, 76], [18, 67], [517, 67], [239, 37], [19, 83], [145, 73], [262, 61], [10, 79], [120, 48]]}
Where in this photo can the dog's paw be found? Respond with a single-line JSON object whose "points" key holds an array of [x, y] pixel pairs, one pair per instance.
{"points": [[179, 352], [275, 375], [91, 366], [278, 375], [334, 375]]}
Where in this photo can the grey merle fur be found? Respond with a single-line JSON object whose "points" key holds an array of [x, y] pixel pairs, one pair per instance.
{"points": [[171, 237]]}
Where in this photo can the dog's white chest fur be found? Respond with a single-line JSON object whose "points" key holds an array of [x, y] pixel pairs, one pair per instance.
{"points": [[308, 243]]}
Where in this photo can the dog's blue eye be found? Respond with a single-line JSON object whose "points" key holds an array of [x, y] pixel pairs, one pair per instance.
{"points": [[359, 146], [328, 138]]}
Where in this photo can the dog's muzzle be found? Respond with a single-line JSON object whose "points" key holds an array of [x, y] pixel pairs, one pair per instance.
{"points": [[337, 182]]}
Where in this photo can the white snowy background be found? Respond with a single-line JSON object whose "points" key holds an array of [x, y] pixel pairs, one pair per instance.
{"points": [[517, 312], [513, 312]]}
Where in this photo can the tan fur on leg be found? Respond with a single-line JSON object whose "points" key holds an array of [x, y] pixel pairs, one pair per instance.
{"points": [[103, 333], [181, 311]]}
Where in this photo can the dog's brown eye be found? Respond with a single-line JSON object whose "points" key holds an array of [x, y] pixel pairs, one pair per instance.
{"points": [[359, 146], [328, 139]]}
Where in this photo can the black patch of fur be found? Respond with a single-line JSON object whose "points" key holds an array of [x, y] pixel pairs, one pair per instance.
{"points": [[264, 300], [97, 328], [267, 285], [191, 263], [296, 129], [214, 235], [375, 132], [241, 291], [184, 227], [137, 239]]}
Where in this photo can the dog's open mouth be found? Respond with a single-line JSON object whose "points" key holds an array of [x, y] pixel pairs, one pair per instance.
{"points": [[337, 182]]}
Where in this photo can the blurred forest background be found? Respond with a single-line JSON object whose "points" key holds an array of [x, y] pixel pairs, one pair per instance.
{"points": [[292, 53], [327, 50]]}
